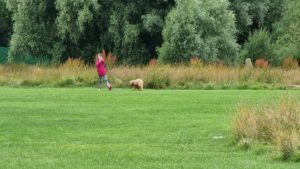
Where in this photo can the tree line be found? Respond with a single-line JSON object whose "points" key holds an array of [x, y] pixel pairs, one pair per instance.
{"points": [[136, 31]]}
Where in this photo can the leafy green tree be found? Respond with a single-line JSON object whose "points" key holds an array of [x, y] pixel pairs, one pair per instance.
{"points": [[12, 5], [130, 29], [201, 28], [274, 14], [287, 32], [5, 24], [135, 28], [33, 29], [125, 31], [258, 46], [77, 30], [250, 15]]}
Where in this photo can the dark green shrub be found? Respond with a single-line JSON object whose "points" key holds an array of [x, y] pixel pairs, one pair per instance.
{"points": [[157, 81], [29, 83], [3, 55], [258, 46], [65, 83]]}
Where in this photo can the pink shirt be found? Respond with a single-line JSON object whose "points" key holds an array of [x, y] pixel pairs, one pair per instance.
{"points": [[101, 67]]}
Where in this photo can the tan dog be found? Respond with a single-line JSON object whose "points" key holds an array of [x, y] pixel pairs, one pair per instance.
{"points": [[137, 84]]}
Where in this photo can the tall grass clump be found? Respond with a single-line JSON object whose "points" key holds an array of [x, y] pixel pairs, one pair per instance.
{"points": [[290, 63], [196, 62], [196, 75], [110, 59], [153, 63], [158, 79], [277, 125]]}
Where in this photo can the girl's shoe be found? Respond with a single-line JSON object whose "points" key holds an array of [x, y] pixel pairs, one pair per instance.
{"points": [[110, 87]]}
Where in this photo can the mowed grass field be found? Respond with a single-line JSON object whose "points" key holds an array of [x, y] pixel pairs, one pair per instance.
{"points": [[82, 128]]}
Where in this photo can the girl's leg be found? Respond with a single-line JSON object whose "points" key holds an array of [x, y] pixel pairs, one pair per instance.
{"points": [[106, 80], [99, 81]]}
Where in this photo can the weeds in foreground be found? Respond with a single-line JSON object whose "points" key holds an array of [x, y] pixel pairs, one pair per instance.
{"points": [[278, 125]]}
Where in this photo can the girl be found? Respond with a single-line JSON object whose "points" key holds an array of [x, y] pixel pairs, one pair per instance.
{"points": [[101, 69]]}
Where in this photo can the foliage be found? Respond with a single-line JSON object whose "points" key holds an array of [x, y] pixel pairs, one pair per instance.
{"points": [[199, 28], [3, 55], [33, 30], [274, 13], [133, 30], [136, 30], [258, 46], [252, 15], [287, 32], [5, 24], [80, 28]]}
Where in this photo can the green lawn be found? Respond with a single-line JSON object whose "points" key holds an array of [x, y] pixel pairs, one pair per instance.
{"points": [[82, 128]]}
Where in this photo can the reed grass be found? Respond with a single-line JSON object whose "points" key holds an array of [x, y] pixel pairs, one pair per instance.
{"points": [[75, 73], [274, 124]]}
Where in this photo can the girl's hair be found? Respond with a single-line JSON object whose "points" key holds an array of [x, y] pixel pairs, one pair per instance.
{"points": [[97, 55]]}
